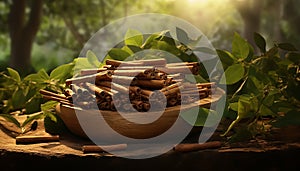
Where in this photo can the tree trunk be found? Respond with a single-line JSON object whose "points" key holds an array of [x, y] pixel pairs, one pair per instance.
{"points": [[23, 32], [250, 12]]}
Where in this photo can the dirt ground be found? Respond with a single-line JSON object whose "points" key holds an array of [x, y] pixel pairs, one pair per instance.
{"points": [[282, 152]]}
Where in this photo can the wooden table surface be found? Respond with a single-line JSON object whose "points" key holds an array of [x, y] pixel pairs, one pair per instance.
{"points": [[67, 154]]}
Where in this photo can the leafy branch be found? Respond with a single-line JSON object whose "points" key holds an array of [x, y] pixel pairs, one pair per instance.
{"points": [[261, 86]]}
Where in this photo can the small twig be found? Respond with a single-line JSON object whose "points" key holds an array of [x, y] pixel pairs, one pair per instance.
{"points": [[103, 148], [196, 147]]}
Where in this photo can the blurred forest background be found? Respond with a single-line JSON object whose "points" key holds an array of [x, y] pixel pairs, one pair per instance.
{"points": [[37, 34]]}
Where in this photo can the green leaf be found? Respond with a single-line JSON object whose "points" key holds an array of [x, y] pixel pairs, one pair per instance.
{"points": [[118, 54], [149, 41], [153, 38], [260, 42], [48, 108], [240, 47], [193, 43], [192, 78], [133, 37], [43, 74], [162, 45], [18, 99], [272, 52], [33, 105], [254, 85], [81, 63], [269, 100], [62, 72], [134, 49], [34, 78], [14, 74], [11, 119], [244, 106], [265, 111], [233, 106], [182, 36], [233, 74], [126, 48], [294, 57], [205, 50], [48, 105], [198, 116], [92, 58], [31, 118], [168, 39], [226, 57], [54, 125], [287, 46]]}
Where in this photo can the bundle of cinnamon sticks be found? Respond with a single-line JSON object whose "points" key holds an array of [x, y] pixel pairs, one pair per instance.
{"points": [[146, 83]]}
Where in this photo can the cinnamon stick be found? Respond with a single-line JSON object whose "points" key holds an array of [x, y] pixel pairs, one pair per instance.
{"points": [[160, 76], [137, 104], [104, 75], [206, 85], [135, 89], [66, 103], [146, 106], [154, 95], [176, 76], [151, 84], [114, 86], [116, 63], [136, 68], [125, 80], [197, 147], [174, 90], [108, 90], [54, 98], [103, 148], [80, 90], [36, 139], [98, 91], [176, 69], [154, 62], [193, 66], [172, 101], [68, 92], [171, 86], [84, 72], [130, 73], [49, 93], [183, 64], [106, 105]]}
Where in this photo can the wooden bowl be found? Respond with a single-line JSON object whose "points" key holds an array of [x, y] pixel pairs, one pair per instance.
{"points": [[126, 127]]}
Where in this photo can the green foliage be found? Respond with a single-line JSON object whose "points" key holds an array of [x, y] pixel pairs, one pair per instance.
{"points": [[261, 86], [134, 38], [198, 116], [260, 42], [240, 47], [22, 95], [233, 74]]}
